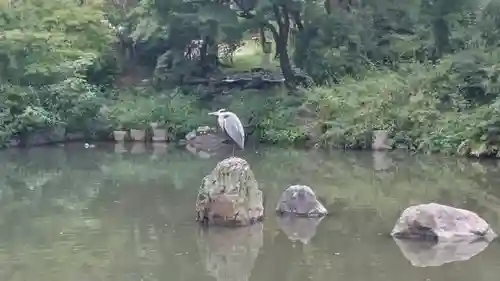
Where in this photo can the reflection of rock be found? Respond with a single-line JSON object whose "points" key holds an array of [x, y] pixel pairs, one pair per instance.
{"points": [[120, 147], [138, 148], [230, 253], [230, 195], [159, 148], [299, 228], [300, 200], [381, 160], [441, 223], [424, 253], [200, 153]]}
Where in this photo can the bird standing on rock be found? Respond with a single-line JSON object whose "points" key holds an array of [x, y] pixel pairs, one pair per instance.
{"points": [[231, 126]]}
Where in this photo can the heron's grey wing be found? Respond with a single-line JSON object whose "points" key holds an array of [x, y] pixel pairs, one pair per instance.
{"points": [[234, 129]]}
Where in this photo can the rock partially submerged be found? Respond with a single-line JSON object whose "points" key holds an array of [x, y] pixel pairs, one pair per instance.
{"points": [[300, 200], [230, 195], [440, 223], [200, 131], [425, 253], [230, 254], [204, 140], [299, 228]]}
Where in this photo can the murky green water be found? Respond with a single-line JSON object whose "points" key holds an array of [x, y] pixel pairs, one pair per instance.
{"points": [[70, 213]]}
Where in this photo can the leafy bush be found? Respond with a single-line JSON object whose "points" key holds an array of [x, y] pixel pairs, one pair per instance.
{"points": [[271, 114], [72, 103], [174, 110], [423, 107]]}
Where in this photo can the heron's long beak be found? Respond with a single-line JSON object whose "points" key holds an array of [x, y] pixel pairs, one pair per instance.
{"points": [[213, 113]]}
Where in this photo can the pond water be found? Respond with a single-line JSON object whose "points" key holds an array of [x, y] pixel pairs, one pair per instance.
{"points": [[127, 213]]}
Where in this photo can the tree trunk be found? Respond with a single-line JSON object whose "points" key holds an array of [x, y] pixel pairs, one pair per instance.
{"points": [[441, 33], [262, 39], [283, 19], [284, 58]]}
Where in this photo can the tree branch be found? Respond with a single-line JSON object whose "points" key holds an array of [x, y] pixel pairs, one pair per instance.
{"points": [[286, 23], [298, 20], [277, 15], [264, 23]]}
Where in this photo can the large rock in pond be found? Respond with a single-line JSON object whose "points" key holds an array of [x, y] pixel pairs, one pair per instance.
{"points": [[300, 200], [230, 195], [438, 222]]}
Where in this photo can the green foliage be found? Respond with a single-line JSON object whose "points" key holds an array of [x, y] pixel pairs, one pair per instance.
{"points": [[272, 114], [48, 41], [71, 103], [424, 108], [46, 52], [173, 110]]}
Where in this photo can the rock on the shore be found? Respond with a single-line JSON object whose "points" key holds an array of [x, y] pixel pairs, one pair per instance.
{"points": [[300, 200], [380, 140], [438, 222], [230, 195], [200, 131]]}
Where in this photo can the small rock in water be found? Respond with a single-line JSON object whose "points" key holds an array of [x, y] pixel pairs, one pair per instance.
{"points": [[300, 200], [191, 135]]}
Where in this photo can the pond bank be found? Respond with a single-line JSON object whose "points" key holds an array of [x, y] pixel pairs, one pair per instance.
{"points": [[204, 139]]}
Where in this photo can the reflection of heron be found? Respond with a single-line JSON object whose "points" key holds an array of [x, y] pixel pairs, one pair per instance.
{"points": [[231, 125]]}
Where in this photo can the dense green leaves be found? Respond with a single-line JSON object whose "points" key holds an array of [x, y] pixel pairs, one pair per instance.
{"points": [[46, 50], [42, 41]]}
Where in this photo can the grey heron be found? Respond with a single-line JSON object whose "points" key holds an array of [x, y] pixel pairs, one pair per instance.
{"points": [[231, 126]]}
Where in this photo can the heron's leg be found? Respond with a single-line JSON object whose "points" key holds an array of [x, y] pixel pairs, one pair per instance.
{"points": [[233, 149]]}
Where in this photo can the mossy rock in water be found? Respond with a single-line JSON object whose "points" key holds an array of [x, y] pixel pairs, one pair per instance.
{"points": [[230, 195]]}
